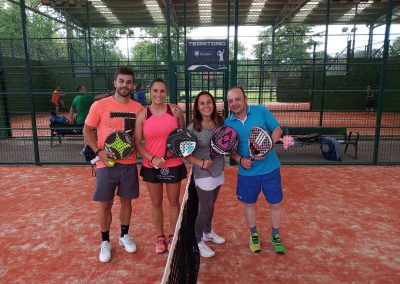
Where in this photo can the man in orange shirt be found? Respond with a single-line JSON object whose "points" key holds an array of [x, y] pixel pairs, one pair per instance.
{"points": [[114, 113], [56, 98]]}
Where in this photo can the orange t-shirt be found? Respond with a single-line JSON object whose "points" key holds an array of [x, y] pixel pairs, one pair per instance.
{"points": [[108, 115], [55, 96]]}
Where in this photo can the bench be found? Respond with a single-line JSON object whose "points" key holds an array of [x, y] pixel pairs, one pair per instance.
{"points": [[64, 129], [312, 134]]}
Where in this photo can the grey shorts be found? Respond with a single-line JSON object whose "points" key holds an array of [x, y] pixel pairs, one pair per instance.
{"points": [[122, 177]]}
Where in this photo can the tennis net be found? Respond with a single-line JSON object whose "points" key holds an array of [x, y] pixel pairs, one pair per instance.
{"points": [[184, 259]]}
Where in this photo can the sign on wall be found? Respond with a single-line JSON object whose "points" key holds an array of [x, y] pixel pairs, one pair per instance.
{"points": [[206, 55]]}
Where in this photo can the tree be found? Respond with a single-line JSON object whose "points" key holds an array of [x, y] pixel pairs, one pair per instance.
{"points": [[155, 46], [241, 50], [395, 47], [291, 43]]}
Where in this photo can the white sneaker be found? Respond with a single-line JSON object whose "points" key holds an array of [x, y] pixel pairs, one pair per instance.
{"points": [[105, 251], [205, 250], [127, 243], [213, 237]]}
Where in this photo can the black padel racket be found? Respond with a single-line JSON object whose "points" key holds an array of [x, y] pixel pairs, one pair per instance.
{"points": [[180, 143], [120, 143], [224, 140], [260, 143]]}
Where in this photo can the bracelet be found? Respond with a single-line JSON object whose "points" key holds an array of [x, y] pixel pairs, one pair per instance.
{"points": [[151, 160], [98, 151], [202, 165], [240, 161]]}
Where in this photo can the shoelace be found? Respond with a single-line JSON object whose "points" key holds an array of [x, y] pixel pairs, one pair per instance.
{"points": [[103, 247], [254, 239], [128, 240], [277, 240], [160, 241]]}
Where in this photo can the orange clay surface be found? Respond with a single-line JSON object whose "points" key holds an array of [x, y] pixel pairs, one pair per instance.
{"points": [[340, 225]]}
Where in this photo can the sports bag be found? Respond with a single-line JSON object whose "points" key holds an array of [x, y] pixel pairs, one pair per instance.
{"points": [[330, 148]]}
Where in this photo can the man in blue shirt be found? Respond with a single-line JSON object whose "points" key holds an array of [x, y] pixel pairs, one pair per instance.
{"points": [[256, 175]]}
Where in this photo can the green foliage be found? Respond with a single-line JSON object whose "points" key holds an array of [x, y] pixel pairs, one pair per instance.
{"points": [[241, 50], [395, 47], [292, 43], [155, 46], [10, 19]]}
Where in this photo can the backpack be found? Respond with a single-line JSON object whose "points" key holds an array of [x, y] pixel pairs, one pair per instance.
{"points": [[330, 148]]}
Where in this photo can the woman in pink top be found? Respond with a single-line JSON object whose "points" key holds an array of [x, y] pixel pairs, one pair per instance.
{"points": [[153, 125]]}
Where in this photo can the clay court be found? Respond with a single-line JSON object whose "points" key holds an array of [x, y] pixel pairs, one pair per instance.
{"points": [[340, 225]]}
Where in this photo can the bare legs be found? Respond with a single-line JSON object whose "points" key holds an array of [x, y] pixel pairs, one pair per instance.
{"points": [[275, 214], [156, 197], [105, 215]]}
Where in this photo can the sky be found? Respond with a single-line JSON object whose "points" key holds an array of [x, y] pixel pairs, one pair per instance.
{"points": [[337, 41]]}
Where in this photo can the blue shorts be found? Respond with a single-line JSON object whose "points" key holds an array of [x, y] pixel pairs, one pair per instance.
{"points": [[249, 187]]}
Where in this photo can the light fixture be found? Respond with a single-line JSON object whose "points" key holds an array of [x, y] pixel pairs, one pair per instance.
{"points": [[344, 29], [353, 30]]}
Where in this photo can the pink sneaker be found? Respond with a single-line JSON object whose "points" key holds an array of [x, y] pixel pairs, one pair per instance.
{"points": [[169, 241], [160, 245]]}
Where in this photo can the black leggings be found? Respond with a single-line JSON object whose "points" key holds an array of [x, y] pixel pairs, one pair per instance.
{"points": [[206, 211]]}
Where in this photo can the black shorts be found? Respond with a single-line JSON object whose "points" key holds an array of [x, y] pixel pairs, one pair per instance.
{"points": [[164, 175]]}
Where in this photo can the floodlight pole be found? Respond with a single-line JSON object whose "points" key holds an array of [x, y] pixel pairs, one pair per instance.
{"points": [[389, 11], [127, 45], [354, 32], [321, 112], [235, 45], [89, 44], [29, 81]]}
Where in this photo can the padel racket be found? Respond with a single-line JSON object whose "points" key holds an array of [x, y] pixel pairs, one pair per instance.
{"points": [[180, 143], [120, 144], [260, 143], [224, 140]]}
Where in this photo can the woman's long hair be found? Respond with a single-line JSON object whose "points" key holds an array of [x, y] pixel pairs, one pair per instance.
{"points": [[197, 117]]}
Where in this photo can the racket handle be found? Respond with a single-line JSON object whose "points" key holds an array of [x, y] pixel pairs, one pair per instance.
{"points": [[110, 163], [95, 160], [158, 167]]}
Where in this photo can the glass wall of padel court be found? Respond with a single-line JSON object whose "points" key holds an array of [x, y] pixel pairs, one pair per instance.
{"points": [[313, 93]]}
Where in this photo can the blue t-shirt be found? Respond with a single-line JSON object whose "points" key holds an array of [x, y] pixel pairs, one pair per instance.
{"points": [[260, 116], [140, 97]]}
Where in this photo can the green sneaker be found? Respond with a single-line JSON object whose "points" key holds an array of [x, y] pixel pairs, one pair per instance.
{"points": [[254, 243], [278, 245]]}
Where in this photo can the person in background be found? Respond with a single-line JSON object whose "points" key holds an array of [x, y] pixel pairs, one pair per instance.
{"points": [[56, 99], [104, 95], [370, 98], [116, 112], [140, 95], [256, 175], [153, 125], [208, 174], [80, 106]]}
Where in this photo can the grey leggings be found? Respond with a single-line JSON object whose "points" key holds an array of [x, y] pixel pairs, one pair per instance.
{"points": [[206, 211]]}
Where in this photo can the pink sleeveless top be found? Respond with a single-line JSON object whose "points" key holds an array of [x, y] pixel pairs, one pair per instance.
{"points": [[155, 131]]}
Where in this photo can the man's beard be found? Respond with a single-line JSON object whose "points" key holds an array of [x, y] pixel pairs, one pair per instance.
{"points": [[123, 92]]}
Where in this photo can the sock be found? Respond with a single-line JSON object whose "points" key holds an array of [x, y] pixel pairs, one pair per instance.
{"points": [[253, 230], [274, 231], [124, 230], [105, 236]]}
